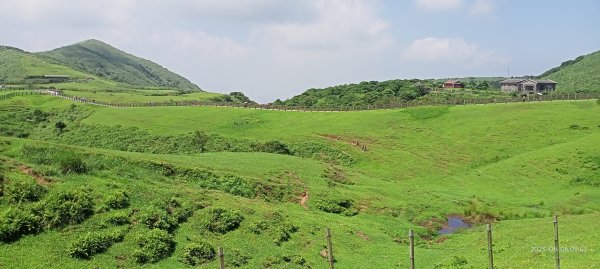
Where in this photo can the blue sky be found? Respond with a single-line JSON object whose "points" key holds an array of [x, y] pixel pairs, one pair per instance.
{"points": [[275, 49]]}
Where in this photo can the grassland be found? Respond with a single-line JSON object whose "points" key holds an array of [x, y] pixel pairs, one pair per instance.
{"points": [[578, 75], [513, 164]]}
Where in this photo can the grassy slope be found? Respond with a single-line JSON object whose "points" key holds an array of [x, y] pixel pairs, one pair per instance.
{"points": [[96, 57], [580, 76], [16, 65], [444, 158]]}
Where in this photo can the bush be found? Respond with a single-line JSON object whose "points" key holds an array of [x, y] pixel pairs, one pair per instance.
{"points": [[165, 214], [222, 220], [69, 162], [94, 242], [286, 261], [117, 219], [15, 223], [118, 200], [67, 207], [20, 191], [198, 253], [272, 147], [338, 206], [154, 245], [236, 258]]}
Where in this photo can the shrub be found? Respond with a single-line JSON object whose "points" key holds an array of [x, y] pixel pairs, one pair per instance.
{"points": [[272, 147], [117, 219], [165, 214], [338, 206], [156, 217], [118, 200], [154, 245], [94, 242], [222, 220], [69, 162], [67, 207], [236, 258], [19, 191], [198, 253], [15, 223], [37, 154], [286, 261]]}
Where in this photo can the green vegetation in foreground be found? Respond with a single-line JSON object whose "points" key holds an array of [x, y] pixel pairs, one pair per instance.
{"points": [[578, 75], [419, 165], [98, 58]]}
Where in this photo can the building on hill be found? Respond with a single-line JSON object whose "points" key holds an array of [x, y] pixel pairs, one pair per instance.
{"points": [[527, 86], [453, 84]]}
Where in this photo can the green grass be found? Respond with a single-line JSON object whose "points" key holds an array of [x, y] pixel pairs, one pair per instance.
{"points": [[517, 162]]}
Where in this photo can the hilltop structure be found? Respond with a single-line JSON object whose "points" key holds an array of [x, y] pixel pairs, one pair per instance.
{"points": [[453, 84], [527, 86]]}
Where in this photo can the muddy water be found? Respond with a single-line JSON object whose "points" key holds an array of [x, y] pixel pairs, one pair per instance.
{"points": [[454, 223]]}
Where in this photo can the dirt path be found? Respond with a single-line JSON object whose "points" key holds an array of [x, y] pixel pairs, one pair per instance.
{"points": [[304, 199], [354, 143], [38, 178]]}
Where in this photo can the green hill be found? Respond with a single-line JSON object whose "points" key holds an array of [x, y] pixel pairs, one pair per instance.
{"points": [[164, 187], [578, 75], [98, 58], [16, 66]]}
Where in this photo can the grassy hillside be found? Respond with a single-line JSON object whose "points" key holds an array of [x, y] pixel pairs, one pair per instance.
{"points": [[578, 75], [103, 60], [487, 163], [16, 65]]}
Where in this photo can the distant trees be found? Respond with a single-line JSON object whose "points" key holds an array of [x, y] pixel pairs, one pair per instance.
{"points": [[364, 93]]}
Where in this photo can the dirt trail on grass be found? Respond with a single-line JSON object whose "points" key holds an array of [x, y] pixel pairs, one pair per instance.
{"points": [[38, 178], [355, 143]]}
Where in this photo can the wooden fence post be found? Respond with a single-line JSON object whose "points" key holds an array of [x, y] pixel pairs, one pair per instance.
{"points": [[490, 251], [329, 248], [556, 245], [221, 258], [411, 240]]}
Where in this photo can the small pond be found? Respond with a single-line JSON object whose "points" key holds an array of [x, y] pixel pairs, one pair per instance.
{"points": [[454, 223]]}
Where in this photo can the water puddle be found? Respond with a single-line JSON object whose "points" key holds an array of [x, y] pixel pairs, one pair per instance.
{"points": [[454, 223]]}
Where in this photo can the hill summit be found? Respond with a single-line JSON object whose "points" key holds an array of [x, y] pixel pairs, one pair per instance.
{"points": [[101, 59]]}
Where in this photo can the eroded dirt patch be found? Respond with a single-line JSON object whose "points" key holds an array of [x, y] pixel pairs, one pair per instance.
{"points": [[38, 178]]}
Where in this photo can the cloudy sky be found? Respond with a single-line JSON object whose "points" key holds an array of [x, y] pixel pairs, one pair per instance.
{"points": [[278, 48]]}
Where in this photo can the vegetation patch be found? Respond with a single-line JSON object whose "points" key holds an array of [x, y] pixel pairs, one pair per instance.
{"points": [[21, 191], [165, 214], [222, 221], [16, 222], [93, 243], [153, 246], [198, 253], [343, 206], [320, 151], [286, 261], [66, 207], [275, 226]]}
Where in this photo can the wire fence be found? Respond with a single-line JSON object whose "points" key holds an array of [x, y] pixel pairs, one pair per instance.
{"points": [[393, 105]]}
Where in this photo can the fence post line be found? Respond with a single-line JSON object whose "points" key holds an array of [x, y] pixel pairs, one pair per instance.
{"points": [[329, 248], [556, 245], [411, 240], [490, 250]]}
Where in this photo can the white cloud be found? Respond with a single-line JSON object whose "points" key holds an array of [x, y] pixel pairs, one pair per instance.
{"points": [[451, 50], [337, 24], [482, 7], [440, 4]]}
